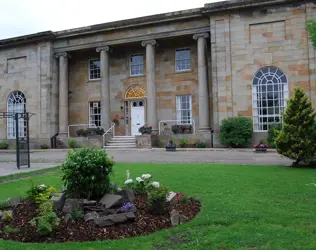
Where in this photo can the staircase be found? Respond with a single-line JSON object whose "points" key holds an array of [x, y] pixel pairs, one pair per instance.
{"points": [[118, 142]]}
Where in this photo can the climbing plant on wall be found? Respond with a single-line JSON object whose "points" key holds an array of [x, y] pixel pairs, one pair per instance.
{"points": [[311, 27]]}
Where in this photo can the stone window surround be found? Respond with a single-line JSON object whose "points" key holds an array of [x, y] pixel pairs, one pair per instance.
{"points": [[96, 115], [179, 115], [175, 60], [284, 84], [130, 64], [89, 76]]}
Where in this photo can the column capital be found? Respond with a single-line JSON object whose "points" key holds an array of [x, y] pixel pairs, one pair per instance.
{"points": [[63, 54], [198, 35], [152, 42], [105, 48]]}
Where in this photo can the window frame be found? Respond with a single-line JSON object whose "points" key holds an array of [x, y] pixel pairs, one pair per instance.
{"points": [[279, 96], [130, 64], [175, 60], [179, 117], [93, 79], [92, 121], [10, 121]]}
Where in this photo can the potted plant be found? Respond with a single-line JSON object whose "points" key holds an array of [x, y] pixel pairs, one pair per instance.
{"points": [[183, 143], [116, 121], [171, 146], [261, 146], [145, 129], [157, 200]]}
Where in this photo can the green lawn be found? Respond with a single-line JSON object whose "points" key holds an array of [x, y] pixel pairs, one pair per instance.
{"points": [[243, 207]]}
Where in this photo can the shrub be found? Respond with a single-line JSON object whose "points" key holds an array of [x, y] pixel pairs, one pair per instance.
{"points": [[41, 193], [7, 216], [77, 214], [44, 146], [8, 229], [4, 204], [157, 199], [90, 132], [178, 129], [236, 131], [86, 173], [183, 143], [72, 143], [201, 144], [4, 145], [271, 134], [297, 139]]}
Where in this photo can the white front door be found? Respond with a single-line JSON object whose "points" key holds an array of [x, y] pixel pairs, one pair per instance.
{"points": [[137, 116]]}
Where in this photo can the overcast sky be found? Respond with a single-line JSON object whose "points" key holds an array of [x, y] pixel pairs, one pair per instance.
{"points": [[21, 17]]}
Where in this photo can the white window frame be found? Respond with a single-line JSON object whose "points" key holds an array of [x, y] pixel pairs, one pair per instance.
{"points": [[13, 108], [275, 79], [89, 70], [180, 118], [178, 60], [93, 116], [139, 64]]}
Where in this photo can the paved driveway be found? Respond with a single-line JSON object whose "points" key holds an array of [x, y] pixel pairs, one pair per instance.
{"points": [[52, 158]]}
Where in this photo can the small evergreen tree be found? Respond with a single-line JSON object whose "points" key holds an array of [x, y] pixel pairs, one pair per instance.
{"points": [[296, 140], [311, 27]]}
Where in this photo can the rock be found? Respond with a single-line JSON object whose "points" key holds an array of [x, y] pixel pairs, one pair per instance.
{"points": [[89, 203], [91, 216], [67, 218], [111, 200], [171, 197], [128, 194], [1, 213], [70, 205], [177, 218], [113, 219], [58, 201], [14, 201]]}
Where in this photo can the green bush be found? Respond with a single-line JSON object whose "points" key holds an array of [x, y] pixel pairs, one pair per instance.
{"points": [[236, 131], [201, 144], [72, 143], [272, 133], [77, 214], [297, 139], [183, 143], [4, 204], [157, 199], [4, 145], [86, 173], [44, 146], [41, 193]]}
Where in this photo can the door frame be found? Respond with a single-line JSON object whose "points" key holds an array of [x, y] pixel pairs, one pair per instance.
{"points": [[128, 131]]}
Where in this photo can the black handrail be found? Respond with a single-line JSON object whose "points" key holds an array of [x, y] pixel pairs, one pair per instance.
{"points": [[53, 141]]}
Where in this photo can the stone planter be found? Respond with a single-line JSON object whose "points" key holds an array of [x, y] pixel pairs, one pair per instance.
{"points": [[158, 207], [171, 148], [260, 150]]}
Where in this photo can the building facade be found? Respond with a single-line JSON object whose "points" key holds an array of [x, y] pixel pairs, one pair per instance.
{"points": [[198, 67]]}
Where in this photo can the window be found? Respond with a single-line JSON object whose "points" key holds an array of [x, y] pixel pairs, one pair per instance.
{"points": [[16, 104], [94, 69], [95, 113], [269, 92], [183, 60], [137, 65], [184, 109]]}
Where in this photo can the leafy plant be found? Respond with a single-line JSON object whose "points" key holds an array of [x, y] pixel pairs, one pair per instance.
{"points": [[142, 184], [86, 173], [41, 193], [77, 214], [236, 131], [72, 143], [180, 129], [4, 145], [182, 198], [4, 204], [157, 195], [90, 132], [44, 146], [297, 139], [201, 144], [311, 27], [145, 129], [127, 207], [271, 133], [8, 229], [183, 143], [7, 215]]}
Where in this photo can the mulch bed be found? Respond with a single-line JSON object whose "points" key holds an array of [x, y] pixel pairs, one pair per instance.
{"points": [[144, 224]]}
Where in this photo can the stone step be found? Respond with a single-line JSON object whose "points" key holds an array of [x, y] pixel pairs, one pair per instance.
{"points": [[123, 146], [124, 137]]}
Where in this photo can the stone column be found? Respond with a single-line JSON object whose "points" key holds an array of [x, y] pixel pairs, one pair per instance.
{"points": [[151, 84], [203, 90], [63, 92], [105, 87]]}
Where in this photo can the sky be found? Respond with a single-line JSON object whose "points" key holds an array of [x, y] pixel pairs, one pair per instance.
{"points": [[22, 17]]}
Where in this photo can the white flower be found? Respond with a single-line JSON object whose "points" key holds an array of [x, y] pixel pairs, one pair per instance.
{"points": [[146, 176], [128, 175], [41, 187], [155, 184], [138, 179], [128, 181]]}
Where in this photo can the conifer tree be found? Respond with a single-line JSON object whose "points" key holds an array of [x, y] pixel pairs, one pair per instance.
{"points": [[297, 139]]}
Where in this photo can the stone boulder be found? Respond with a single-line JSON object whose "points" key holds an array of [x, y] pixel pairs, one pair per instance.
{"points": [[91, 216], [177, 218], [111, 200], [128, 194], [71, 205], [58, 201], [14, 201], [114, 219], [171, 197]]}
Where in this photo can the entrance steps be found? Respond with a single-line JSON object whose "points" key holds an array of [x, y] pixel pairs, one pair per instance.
{"points": [[121, 142]]}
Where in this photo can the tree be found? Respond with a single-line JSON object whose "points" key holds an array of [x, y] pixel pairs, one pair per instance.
{"points": [[311, 27], [297, 139]]}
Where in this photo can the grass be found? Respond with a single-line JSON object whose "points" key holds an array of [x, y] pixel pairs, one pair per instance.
{"points": [[243, 207]]}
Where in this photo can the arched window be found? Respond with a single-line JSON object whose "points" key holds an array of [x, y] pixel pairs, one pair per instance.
{"points": [[135, 91], [16, 104], [269, 92]]}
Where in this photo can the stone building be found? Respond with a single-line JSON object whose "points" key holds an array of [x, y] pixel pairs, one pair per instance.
{"points": [[198, 67]]}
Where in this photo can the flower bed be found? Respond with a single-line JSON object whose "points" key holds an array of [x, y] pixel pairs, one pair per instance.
{"points": [[182, 129]]}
